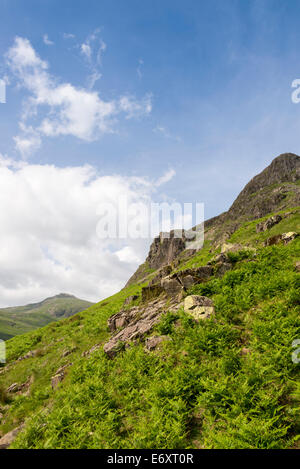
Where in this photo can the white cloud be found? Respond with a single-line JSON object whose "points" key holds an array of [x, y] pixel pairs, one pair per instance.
{"points": [[48, 238], [165, 177], [70, 110], [163, 131], [92, 50], [134, 108], [47, 41], [27, 144], [86, 50]]}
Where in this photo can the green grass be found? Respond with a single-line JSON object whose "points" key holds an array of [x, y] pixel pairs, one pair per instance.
{"points": [[228, 382], [247, 235], [21, 319]]}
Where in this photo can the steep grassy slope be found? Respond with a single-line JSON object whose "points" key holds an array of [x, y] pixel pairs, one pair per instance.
{"points": [[229, 382], [18, 320]]}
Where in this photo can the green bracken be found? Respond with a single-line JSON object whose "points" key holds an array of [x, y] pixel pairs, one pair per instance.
{"points": [[227, 382]]}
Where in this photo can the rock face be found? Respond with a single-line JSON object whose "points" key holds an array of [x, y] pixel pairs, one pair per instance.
{"points": [[272, 190], [200, 307], [284, 168], [164, 250]]}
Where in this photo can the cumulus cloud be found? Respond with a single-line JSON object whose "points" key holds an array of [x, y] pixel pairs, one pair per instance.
{"points": [[48, 239], [70, 110]]}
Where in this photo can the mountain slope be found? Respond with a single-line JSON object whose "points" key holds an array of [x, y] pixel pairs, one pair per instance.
{"points": [[224, 382], [18, 320]]}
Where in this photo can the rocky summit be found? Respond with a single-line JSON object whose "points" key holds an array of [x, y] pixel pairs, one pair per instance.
{"points": [[196, 351]]}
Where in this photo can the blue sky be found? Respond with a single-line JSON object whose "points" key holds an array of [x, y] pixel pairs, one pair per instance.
{"points": [[199, 88], [219, 73]]}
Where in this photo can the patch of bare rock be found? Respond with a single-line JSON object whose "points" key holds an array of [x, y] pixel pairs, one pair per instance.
{"points": [[268, 224], [59, 376], [200, 307], [284, 238], [9, 438], [164, 293]]}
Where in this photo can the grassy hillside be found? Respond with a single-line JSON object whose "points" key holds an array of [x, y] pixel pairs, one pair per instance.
{"points": [[227, 382], [18, 320]]}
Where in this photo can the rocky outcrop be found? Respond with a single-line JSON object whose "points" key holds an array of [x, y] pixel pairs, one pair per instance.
{"points": [[200, 307], [135, 323], [23, 388], [267, 224], [284, 238], [164, 249], [265, 193], [59, 376], [272, 190], [9, 438], [181, 281]]}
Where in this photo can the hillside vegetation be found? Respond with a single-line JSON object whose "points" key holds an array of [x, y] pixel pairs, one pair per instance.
{"points": [[18, 320], [224, 382]]}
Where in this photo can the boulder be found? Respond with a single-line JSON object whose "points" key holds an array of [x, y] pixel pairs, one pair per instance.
{"points": [[9, 438], [200, 307], [288, 237], [171, 285], [267, 224], [297, 266]]}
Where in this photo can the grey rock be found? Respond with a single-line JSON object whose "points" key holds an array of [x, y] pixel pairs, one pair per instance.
{"points": [[221, 268], [9, 438], [200, 307], [153, 342], [267, 224]]}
